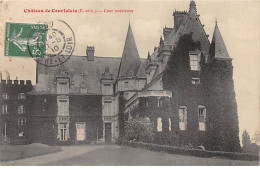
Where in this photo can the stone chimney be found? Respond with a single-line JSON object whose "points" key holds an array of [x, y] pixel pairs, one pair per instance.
{"points": [[166, 32], [90, 53], [178, 17]]}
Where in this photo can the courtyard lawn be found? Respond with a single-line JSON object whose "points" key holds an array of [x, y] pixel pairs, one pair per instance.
{"points": [[14, 152]]}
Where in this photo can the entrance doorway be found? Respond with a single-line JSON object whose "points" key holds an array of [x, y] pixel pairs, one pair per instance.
{"points": [[81, 131], [108, 132]]}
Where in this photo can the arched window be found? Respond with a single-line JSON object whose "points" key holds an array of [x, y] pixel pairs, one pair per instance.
{"points": [[159, 124]]}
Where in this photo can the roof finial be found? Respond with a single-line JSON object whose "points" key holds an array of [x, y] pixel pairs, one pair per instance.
{"points": [[161, 40], [129, 18], [192, 7], [216, 22]]}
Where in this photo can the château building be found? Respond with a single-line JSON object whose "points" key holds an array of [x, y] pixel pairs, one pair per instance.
{"points": [[185, 88]]}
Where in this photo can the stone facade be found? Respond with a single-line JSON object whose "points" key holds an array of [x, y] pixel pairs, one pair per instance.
{"points": [[184, 87], [13, 117]]}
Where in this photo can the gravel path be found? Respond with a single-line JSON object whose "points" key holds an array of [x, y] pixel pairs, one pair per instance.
{"points": [[113, 155]]}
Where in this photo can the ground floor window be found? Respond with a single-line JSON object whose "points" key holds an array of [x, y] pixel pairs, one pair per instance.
{"points": [[202, 118], [21, 134], [170, 124], [81, 131], [63, 128], [183, 117], [159, 124]]}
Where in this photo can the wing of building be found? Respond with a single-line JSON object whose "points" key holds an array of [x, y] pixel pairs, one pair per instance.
{"points": [[184, 87]]}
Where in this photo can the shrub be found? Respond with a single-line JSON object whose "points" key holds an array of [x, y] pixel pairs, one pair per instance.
{"points": [[193, 152], [139, 129]]}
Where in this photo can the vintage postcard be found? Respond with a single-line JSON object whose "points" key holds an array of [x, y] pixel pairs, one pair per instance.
{"points": [[129, 83]]}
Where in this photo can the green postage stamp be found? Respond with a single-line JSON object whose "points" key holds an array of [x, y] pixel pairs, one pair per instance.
{"points": [[25, 40]]}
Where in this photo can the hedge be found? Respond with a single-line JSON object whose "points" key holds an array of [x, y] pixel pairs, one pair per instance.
{"points": [[191, 152]]}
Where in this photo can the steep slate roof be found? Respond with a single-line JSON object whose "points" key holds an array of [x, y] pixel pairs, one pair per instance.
{"points": [[190, 24], [81, 71], [218, 48], [130, 62]]}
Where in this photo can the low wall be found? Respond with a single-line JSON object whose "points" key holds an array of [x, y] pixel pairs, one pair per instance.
{"points": [[192, 152]]}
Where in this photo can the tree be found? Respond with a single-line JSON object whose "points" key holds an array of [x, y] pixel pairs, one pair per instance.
{"points": [[246, 139], [257, 138], [139, 129]]}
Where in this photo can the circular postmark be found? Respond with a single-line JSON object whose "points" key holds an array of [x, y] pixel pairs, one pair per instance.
{"points": [[51, 44]]}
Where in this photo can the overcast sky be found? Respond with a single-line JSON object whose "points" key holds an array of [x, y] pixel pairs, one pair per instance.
{"points": [[239, 23]]}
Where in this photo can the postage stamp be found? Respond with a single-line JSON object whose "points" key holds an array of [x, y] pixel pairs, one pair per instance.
{"points": [[16, 39], [49, 43]]}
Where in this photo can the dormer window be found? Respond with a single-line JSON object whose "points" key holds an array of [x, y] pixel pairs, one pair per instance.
{"points": [[126, 84], [62, 87], [107, 89], [21, 96], [5, 96], [194, 62]]}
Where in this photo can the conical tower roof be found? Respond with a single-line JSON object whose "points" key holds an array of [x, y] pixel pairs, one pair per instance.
{"points": [[130, 61], [218, 48]]}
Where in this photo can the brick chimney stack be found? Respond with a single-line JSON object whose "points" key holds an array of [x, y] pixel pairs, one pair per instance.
{"points": [[90, 53]]}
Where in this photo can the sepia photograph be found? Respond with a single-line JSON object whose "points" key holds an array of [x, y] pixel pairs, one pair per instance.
{"points": [[129, 83]]}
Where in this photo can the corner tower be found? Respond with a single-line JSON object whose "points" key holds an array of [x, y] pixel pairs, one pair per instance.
{"points": [[223, 130]]}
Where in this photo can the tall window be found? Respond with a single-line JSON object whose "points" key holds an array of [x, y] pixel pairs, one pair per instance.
{"points": [[107, 89], [170, 124], [108, 108], [183, 117], [159, 103], [22, 121], [21, 96], [63, 129], [159, 124], [20, 109], [194, 62], [63, 107], [4, 109], [147, 103], [5, 96], [202, 118]]}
